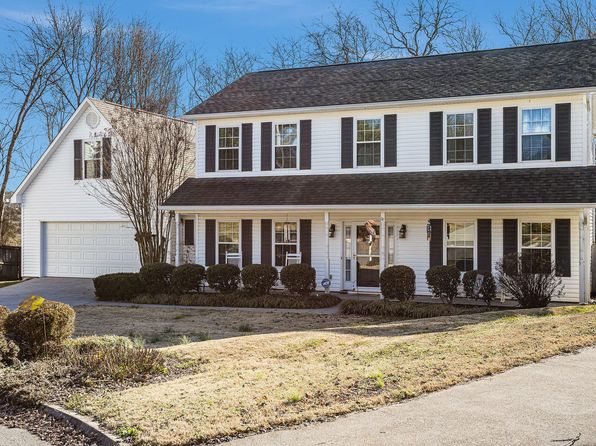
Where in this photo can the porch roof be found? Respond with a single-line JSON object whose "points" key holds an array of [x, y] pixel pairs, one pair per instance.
{"points": [[553, 185]]}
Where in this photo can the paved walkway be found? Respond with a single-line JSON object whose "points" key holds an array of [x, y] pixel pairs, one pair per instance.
{"points": [[71, 291], [537, 404], [19, 437]]}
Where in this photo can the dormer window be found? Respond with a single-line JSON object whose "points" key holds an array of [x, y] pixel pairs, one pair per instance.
{"points": [[286, 146], [92, 159]]}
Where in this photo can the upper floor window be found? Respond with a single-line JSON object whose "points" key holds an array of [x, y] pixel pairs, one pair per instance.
{"points": [[368, 142], [286, 146], [92, 158], [536, 245], [460, 245], [286, 241], [536, 134], [229, 148], [460, 138], [228, 239]]}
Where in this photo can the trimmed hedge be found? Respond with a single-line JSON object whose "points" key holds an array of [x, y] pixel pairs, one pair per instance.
{"points": [[224, 277], [156, 277], [3, 315], [259, 279], [188, 277], [443, 281], [405, 310], [398, 282], [488, 290], [118, 286], [299, 278]]}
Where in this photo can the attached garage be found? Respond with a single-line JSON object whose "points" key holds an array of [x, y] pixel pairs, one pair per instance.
{"points": [[87, 249]]}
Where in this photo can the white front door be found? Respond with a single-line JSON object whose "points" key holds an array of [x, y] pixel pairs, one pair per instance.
{"points": [[362, 242]]}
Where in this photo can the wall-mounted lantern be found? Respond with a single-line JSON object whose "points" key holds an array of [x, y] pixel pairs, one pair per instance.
{"points": [[429, 230], [402, 231], [332, 231]]}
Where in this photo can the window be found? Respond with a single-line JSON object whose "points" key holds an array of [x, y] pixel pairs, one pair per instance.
{"points": [[189, 232], [229, 148], [368, 142], [286, 241], [460, 245], [286, 146], [92, 159], [536, 134], [460, 138], [228, 239], [536, 245]]}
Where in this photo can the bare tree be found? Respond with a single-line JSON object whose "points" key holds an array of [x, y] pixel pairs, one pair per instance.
{"points": [[11, 227], [287, 53], [469, 36], [151, 156], [417, 29], [525, 27]]}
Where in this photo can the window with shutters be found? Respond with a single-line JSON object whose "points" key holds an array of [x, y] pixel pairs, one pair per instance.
{"points": [[228, 151], [368, 142], [536, 137], [460, 138], [286, 146], [536, 245], [228, 239], [189, 232], [460, 245], [92, 158], [285, 241]]}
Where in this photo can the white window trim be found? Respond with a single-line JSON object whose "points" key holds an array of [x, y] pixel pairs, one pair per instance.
{"points": [[218, 147], [83, 173], [355, 142], [273, 145], [474, 137], [474, 246], [537, 220], [297, 221], [217, 242], [520, 134]]}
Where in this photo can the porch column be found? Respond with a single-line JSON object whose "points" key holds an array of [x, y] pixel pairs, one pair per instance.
{"points": [[326, 229], [197, 246], [177, 247], [382, 247]]}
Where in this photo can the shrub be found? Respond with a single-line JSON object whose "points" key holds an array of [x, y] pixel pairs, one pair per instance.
{"points": [[156, 277], [9, 351], [530, 280], [404, 310], [488, 290], [224, 278], [3, 315], [259, 279], [118, 286], [87, 344], [443, 281], [38, 324], [188, 277], [398, 282], [299, 278]]}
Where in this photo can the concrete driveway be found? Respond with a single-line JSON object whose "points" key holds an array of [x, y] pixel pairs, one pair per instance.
{"points": [[69, 290]]}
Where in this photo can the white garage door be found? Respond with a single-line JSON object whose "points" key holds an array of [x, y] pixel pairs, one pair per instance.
{"points": [[88, 249]]}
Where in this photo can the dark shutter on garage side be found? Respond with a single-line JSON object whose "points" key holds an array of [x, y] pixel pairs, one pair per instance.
{"points": [[189, 232], [563, 246], [210, 242], [484, 135], [510, 243], [78, 159], [246, 148], [266, 242], [305, 240], [246, 228], [305, 143], [436, 138], [266, 145], [510, 134], [210, 148], [347, 143], [436, 242], [390, 135], [484, 244], [106, 158], [563, 132]]}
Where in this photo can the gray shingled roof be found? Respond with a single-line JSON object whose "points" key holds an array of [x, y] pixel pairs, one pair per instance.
{"points": [[495, 186], [530, 68]]}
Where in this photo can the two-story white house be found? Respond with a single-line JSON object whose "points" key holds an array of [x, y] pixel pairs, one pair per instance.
{"points": [[452, 159]]}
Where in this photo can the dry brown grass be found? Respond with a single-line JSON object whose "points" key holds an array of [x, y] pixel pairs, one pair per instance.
{"points": [[263, 381]]}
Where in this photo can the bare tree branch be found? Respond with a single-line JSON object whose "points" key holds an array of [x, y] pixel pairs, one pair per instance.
{"points": [[467, 37]]}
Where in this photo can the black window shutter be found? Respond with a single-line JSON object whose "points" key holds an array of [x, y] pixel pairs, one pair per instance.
{"points": [[210, 148], [246, 147], [78, 159], [563, 132], [436, 242], [563, 246], [266, 242], [510, 134], [305, 240], [246, 228], [484, 244], [436, 138], [210, 242], [305, 143], [484, 135], [510, 243], [189, 232], [106, 158], [390, 135], [266, 145], [347, 143]]}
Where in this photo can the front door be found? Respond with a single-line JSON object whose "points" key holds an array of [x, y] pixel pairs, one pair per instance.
{"points": [[362, 256]]}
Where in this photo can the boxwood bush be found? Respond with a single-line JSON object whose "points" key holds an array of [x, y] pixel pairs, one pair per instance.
{"points": [[224, 278], [118, 286], [259, 279], [156, 277], [299, 278], [189, 277], [398, 282], [488, 290], [443, 281]]}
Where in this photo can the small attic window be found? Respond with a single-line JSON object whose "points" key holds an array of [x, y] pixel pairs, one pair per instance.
{"points": [[92, 119]]}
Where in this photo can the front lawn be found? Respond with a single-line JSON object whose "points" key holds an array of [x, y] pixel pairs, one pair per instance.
{"points": [[248, 384]]}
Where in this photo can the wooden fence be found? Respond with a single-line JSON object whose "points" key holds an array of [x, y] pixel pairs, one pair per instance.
{"points": [[10, 262]]}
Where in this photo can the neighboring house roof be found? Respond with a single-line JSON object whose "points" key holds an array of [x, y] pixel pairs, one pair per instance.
{"points": [[508, 70], [557, 185]]}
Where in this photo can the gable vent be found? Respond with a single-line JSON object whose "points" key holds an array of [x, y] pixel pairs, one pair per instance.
{"points": [[92, 119]]}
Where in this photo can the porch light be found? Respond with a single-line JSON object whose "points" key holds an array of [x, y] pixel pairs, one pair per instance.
{"points": [[429, 230], [402, 231], [332, 231]]}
